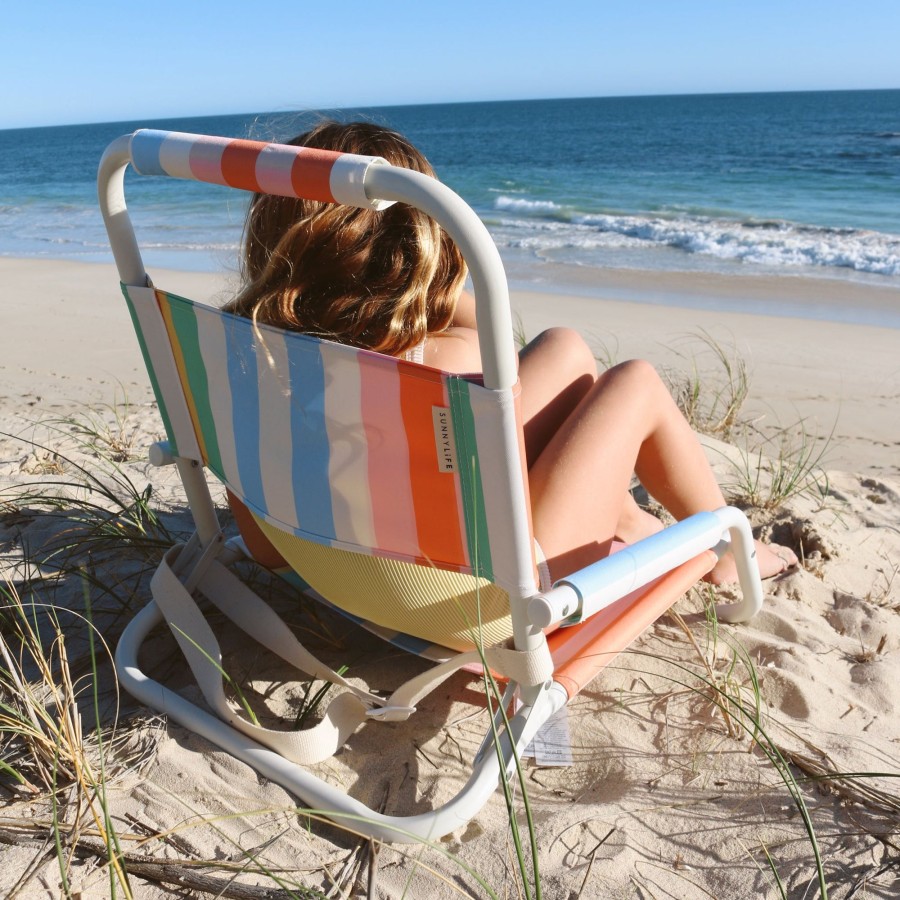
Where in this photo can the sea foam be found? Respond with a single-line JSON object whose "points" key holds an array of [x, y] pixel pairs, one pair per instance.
{"points": [[545, 225], [520, 204]]}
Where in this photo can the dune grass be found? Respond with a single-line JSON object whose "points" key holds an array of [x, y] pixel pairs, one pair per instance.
{"points": [[771, 470], [711, 386], [54, 742]]}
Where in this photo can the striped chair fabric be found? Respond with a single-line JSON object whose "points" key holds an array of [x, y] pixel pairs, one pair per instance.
{"points": [[336, 445], [255, 166]]}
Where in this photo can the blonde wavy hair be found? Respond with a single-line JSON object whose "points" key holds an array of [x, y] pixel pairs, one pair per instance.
{"points": [[379, 280]]}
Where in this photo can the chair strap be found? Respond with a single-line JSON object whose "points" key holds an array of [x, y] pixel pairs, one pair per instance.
{"points": [[348, 710]]}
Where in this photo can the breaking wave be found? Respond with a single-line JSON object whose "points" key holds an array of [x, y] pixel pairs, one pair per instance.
{"points": [[544, 225]]}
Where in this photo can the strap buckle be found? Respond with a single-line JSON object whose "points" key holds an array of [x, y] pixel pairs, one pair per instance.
{"points": [[390, 713]]}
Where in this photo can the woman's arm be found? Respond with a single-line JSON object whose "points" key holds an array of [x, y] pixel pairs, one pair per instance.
{"points": [[457, 349], [464, 316]]}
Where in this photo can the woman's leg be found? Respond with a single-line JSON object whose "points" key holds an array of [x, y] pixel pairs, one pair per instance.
{"points": [[626, 422], [556, 370]]}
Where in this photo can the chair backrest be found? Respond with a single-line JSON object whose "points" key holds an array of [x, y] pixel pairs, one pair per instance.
{"points": [[336, 445], [340, 446]]}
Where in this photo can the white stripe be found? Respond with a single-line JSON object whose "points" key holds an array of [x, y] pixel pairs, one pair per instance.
{"points": [[273, 171], [348, 464], [275, 449], [214, 350], [156, 339], [348, 181], [174, 156]]}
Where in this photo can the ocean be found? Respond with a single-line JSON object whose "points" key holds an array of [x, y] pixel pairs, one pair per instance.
{"points": [[744, 184]]}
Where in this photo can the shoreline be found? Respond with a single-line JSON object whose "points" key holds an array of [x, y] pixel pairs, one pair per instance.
{"points": [[790, 295], [794, 293]]}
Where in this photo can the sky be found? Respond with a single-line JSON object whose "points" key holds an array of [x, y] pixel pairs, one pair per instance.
{"points": [[103, 61]]}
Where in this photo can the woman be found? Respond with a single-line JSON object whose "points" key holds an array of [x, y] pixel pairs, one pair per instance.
{"points": [[391, 281]]}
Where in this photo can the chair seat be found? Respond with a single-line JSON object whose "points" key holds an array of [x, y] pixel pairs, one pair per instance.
{"points": [[580, 652]]}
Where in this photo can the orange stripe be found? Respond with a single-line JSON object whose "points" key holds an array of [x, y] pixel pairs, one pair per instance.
{"points": [[260, 547], [582, 651], [434, 493], [311, 174], [239, 164], [166, 312]]}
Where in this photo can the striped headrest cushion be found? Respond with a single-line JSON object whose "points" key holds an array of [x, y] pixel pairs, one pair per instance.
{"points": [[278, 169]]}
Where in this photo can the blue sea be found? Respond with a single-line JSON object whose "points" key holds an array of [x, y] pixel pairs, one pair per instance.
{"points": [[746, 184]]}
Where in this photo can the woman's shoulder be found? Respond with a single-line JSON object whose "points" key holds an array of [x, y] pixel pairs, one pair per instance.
{"points": [[453, 350]]}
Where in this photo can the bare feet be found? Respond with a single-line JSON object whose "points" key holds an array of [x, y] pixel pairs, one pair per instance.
{"points": [[773, 559], [636, 523]]}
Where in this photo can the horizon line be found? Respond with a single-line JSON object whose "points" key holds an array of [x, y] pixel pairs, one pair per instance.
{"points": [[324, 108]]}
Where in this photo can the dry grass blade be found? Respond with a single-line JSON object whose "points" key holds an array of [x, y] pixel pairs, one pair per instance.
{"points": [[40, 719], [711, 401], [45, 746], [192, 875], [853, 786]]}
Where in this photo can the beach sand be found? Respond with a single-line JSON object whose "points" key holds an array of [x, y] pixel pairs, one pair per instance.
{"points": [[667, 796]]}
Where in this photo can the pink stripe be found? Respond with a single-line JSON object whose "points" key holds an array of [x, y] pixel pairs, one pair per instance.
{"points": [[206, 159], [392, 504]]}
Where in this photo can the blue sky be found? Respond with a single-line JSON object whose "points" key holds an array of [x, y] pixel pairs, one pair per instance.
{"points": [[64, 62]]}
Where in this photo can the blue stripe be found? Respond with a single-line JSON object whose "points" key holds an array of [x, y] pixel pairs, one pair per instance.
{"points": [[145, 148], [411, 644], [242, 379], [293, 579], [312, 490]]}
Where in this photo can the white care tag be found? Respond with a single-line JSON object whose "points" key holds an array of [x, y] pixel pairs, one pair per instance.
{"points": [[552, 745]]}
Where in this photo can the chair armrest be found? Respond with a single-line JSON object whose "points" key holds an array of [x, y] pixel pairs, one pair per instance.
{"points": [[578, 596]]}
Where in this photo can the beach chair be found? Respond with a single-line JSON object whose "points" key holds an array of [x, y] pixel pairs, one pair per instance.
{"points": [[354, 456]]}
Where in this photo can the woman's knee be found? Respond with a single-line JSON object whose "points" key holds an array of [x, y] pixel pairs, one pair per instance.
{"points": [[557, 371], [640, 380], [567, 348], [639, 372]]}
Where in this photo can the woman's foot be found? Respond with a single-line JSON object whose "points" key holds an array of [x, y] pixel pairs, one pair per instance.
{"points": [[635, 523], [773, 559]]}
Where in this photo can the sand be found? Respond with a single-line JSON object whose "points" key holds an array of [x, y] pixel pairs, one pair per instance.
{"points": [[667, 796]]}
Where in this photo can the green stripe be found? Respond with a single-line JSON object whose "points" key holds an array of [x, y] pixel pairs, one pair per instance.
{"points": [[470, 477], [148, 362], [184, 318]]}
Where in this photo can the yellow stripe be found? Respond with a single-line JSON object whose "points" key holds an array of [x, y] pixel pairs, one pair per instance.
{"points": [[432, 604]]}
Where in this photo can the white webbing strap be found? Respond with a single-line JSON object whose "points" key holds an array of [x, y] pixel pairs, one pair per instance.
{"points": [[201, 650], [526, 667], [348, 710]]}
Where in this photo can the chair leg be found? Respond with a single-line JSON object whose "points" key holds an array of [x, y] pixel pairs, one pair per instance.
{"points": [[317, 794], [744, 550]]}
